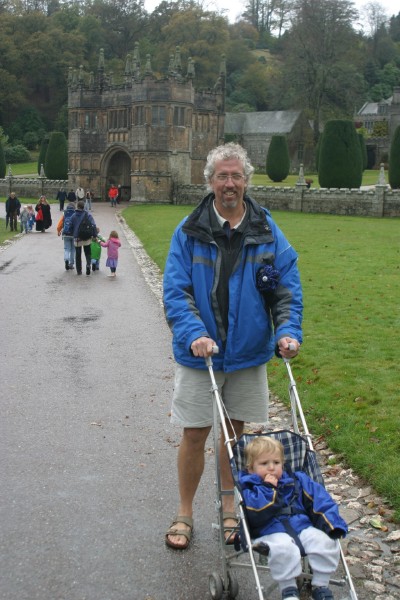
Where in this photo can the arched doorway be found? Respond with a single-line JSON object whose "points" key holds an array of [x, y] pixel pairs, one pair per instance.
{"points": [[119, 173]]}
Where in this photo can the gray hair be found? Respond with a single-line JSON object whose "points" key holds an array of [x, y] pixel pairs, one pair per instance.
{"points": [[227, 152]]}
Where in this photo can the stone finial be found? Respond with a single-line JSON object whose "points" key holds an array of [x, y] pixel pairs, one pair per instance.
{"points": [[70, 76], [171, 65], [148, 70], [101, 59], [222, 66], [178, 63], [42, 174], [128, 65], [80, 76], [190, 69], [10, 171], [136, 55], [381, 178], [301, 180], [91, 80]]}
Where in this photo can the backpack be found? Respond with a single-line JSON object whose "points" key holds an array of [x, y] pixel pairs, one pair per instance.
{"points": [[85, 229], [68, 228]]}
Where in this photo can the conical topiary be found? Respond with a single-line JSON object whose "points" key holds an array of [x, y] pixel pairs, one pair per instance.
{"points": [[56, 161], [3, 166], [394, 160], [278, 161], [340, 161], [363, 149]]}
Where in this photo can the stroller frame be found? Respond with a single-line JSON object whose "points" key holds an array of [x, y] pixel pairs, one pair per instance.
{"points": [[227, 584]]}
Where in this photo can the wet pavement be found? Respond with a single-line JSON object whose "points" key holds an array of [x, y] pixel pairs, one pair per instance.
{"points": [[87, 452]]}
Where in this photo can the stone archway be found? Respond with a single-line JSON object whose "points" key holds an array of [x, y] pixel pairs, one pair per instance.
{"points": [[118, 172]]}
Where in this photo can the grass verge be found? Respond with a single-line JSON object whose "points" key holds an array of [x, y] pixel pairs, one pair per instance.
{"points": [[346, 372]]}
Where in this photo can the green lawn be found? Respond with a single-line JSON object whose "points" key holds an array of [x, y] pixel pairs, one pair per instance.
{"points": [[346, 372]]}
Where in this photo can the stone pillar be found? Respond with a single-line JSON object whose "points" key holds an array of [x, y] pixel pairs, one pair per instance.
{"points": [[380, 192], [301, 187]]}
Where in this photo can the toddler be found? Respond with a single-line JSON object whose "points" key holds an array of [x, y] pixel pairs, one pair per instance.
{"points": [[95, 251], [31, 217], [112, 245], [24, 219], [290, 515]]}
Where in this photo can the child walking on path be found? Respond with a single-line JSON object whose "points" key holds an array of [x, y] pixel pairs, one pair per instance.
{"points": [[95, 251], [112, 245], [290, 515], [24, 219]]}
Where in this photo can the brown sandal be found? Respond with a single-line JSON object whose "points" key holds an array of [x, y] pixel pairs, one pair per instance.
{"points": [[187, 533], [230, 529]]}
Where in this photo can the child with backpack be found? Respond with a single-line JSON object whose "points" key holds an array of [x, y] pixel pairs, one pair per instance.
{"points": [[64, 227], [112, 245]]}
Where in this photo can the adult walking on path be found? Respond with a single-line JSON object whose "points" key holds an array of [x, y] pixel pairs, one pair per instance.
{"points": [[43, 215], [81, 241], [13, 206]]}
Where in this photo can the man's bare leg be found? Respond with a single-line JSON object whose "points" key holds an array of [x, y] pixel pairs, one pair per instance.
{"points": [[190, 470], [228, 501]]}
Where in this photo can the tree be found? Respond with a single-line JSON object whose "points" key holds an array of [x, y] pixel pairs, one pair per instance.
{"points": [[56, 161], [363, 149], [394, 160], [3, 165], [278, 161], [340, 160], [320, 50]]}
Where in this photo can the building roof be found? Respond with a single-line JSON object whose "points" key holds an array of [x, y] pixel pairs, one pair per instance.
{"points": [[268, 122], [372, 108]]}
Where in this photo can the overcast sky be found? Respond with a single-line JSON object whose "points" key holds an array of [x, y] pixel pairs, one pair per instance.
{"points": [[235, 7]]}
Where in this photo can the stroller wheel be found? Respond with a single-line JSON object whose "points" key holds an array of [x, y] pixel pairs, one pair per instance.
{"points": [[233, 586], [216, 586]]}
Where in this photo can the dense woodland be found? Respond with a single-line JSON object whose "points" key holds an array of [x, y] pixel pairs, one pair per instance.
{"points": [[319, 55]]}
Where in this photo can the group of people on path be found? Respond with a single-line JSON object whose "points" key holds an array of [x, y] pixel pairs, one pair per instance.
{"points": [[26, 214], [71, 196], [79, 231]]}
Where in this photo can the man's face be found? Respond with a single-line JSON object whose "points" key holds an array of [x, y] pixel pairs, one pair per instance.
{"points": [[228, 184]]}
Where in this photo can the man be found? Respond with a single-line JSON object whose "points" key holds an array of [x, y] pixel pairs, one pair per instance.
{"points": [[112, 195], [61, 197], [80, 193], [211, 299], [13, 206], [79, 243]]}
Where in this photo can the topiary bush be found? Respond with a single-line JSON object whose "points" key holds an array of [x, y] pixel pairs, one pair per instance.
{"points": [[394, 160], [3, 166], [278, 161], [363, 149], [56, 161], [340, 161]]}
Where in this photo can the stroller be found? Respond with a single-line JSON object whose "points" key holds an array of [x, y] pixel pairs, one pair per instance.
{"points": [[299, 455]]}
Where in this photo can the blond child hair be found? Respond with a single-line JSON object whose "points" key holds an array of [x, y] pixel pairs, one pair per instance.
{"points": [[261, 444]]}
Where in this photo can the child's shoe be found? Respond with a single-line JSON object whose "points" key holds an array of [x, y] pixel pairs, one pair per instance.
{"points": [[322, 593], [290, 593]]}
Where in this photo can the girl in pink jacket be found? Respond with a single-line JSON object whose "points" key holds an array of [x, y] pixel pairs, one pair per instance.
{"points": [[112, 245]]}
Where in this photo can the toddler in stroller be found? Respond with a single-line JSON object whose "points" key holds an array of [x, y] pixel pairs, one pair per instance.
{"points": [[290, 516]]}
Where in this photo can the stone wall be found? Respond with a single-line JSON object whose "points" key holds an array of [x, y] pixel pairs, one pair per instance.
{"points": [[379, 201], [375, 202], [31, 188]]}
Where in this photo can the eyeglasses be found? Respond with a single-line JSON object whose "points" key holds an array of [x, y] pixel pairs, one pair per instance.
{"points": [[236, 177]]}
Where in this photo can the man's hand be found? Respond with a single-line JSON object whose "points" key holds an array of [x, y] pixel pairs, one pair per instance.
{"points": [[288, 347], [203, 347]]}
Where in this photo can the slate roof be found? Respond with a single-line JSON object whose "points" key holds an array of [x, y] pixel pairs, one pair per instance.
{"points": [[371, 108], [268, 122]]}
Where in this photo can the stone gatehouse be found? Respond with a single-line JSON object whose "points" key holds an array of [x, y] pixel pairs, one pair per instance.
{"points": [[145, 134]]}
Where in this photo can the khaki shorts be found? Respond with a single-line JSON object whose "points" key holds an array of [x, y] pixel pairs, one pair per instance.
{"points": [[244, 393]]}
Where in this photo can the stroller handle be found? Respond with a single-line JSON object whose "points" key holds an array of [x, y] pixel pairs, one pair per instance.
{"points": [[215, 350]]}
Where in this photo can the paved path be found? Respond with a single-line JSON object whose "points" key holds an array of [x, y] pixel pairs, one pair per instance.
{"points": [[87, 451]]}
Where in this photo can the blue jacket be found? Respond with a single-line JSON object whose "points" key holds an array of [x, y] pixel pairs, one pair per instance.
{"points": [[191, 277], [76, 221], [310, 501]]}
